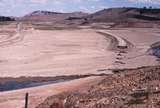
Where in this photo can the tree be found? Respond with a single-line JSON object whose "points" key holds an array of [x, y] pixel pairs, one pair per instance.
{"points": [[144, 7], [150, 7]]}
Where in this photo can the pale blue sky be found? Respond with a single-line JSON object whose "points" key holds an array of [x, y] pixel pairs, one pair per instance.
{"points": [[22, 7]]}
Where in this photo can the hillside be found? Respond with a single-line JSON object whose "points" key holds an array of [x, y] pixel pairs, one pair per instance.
{"points": [[51, 16], [125, 14], [121, 17], [105, 15]]}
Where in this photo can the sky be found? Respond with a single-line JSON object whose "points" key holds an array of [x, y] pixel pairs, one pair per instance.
{"points": [[22, 7]]}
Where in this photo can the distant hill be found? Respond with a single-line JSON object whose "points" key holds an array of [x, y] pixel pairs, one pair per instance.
{"points": [[3, 18], [125, 14], [52, 16], [105, 15]]}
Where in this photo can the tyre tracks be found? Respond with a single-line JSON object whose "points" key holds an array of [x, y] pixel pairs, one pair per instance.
{"points": [[13, 37]]}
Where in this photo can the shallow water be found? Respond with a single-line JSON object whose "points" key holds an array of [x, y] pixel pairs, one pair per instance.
{"points": [[156, 52], [14, 85]]}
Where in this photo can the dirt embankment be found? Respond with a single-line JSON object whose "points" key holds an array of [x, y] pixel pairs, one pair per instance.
{"points": [[128, 88], [117, 43]]}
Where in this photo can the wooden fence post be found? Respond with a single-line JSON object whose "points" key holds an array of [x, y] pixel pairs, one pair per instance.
{"points": [[26, 100]]}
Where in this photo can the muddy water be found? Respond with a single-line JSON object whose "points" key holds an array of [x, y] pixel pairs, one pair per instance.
{"points": [[156, 52], [155, 48], [13, 85], [7, 84]]}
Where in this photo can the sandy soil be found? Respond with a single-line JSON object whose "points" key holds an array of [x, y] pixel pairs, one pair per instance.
{"points": [[54, 53], [69, 52], [51, 53]]}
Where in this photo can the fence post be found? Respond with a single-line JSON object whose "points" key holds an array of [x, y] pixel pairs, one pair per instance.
{"points": [[26, 100]]}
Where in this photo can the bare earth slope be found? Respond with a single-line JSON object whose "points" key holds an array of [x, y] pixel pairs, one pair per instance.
{"points": [[137, 88], [125, 14]]}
